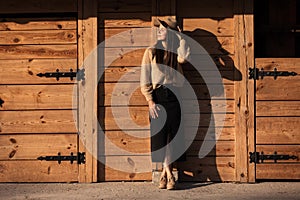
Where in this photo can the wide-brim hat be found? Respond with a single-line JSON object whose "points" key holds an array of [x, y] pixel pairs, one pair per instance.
{"points": [[168, 22]]}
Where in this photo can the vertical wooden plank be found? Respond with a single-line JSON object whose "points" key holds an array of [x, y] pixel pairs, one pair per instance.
{"points": [[81, 169], [87, 30], [251, 88], [244, 106]]}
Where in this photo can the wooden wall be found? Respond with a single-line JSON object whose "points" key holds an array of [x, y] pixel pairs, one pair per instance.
{"points": [[36, 117], [211, 23], [44, 45]]}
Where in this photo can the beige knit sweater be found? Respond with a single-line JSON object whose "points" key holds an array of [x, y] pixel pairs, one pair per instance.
{"points": [[153, 75]]}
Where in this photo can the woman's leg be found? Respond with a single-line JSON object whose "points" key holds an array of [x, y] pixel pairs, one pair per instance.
{"points": [[163, 179], [167, 162], [171, 180], [169, 170], [164, 173]]}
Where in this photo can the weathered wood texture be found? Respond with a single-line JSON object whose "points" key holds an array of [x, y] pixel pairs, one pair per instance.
{"points": [[222, 148], [30, 147], [114, 73], [132, 145], [278, 108], [196, 169], [25, 70], [117, 175], [209, 27], [270, 89], [277, 130], [127, 168], [37, 51], [213, 44], [40, 171], [44, 121], [123, 56], [36, 117], [139, 115], [244, 106], [227, 134], [278, 171], [207, 169], [281, 88], [29, 24], [31, 97], [139, 144], [38, 37], [88, 127], [124, 20], [126, 37], [126, 91], [278, 118], [201, 91]]}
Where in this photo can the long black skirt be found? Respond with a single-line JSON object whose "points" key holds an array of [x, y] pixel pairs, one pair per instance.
{"points": [[164, 131]]}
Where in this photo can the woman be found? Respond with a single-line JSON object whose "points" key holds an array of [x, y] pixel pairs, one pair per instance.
{"points": [[160, 84]]}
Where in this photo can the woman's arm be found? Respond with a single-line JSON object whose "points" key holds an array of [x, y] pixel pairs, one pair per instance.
{"points": [[145, 80], [146, 83]]}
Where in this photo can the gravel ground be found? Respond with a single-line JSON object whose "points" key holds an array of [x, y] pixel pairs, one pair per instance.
{"points": [[148, 190]]}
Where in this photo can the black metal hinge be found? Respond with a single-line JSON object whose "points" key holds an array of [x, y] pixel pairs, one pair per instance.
{"points": [[80, 74], [257, 157], [255, 73], [80, 158], [1, 102]]}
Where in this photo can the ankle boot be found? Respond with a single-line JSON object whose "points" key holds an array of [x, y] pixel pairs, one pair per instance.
{"points": [[162, 183], [171, 183]]}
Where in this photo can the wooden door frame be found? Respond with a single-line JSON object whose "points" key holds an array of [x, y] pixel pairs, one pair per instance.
{"points": [[87, 122], [244, 90]]}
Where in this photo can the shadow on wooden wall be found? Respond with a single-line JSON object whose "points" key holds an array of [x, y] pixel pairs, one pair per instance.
{"points": [[218, 165]]}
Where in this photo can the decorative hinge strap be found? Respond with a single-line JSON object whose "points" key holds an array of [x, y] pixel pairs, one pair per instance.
{"points": [[255, 73], [80, 74], [256, 157], [80, 158]]}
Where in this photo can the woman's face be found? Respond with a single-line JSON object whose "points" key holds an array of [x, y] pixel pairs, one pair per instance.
{"points": [[162, 32]]}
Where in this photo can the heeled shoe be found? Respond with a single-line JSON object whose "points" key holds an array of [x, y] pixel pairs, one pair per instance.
{"points": [[171, 183], [162, 183]]}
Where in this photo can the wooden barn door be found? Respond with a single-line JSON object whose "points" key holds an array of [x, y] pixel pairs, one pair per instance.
{"points": [[36, 112], [277, 95], [116, 17]]}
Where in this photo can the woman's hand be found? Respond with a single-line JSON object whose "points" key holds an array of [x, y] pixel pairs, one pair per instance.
{"points": [[153, 109], [179, 29]]}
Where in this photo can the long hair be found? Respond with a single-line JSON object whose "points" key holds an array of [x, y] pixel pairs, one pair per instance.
{"points": [[169, 55]]}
